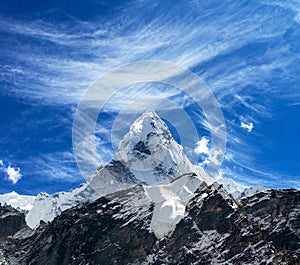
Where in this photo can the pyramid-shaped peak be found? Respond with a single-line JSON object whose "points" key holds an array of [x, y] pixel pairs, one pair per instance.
{"points": [[150, 123], [148, 117], [150, 151], [150, 114]]}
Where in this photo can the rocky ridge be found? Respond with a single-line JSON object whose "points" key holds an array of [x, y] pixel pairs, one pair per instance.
{"points": [[216, 229]]}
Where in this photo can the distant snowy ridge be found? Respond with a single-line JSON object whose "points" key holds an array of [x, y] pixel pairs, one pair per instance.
{"points": [[46, 207], [17, 201], [236, 190], [250, 191]]}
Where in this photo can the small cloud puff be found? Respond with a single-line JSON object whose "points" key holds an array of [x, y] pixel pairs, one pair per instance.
{"points": [[249, 126], [14, 174], [202, 146], [1, 163]]}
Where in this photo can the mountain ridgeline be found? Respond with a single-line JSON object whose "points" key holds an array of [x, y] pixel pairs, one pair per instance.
{"points": [[216, 229]]}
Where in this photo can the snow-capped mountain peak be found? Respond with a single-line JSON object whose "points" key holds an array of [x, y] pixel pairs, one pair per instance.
{"points": [[151, 153], [147, 155], [148, 124]]}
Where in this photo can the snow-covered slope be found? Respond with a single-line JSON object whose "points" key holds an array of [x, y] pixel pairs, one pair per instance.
{"points": [[17, 201], [238, 191], [147, 155], [250, 191], [170, 202], [46, 207]]}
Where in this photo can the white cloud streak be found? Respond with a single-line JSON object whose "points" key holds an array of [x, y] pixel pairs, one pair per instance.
{"points": [[202, 146], [157, 40], [57, 166], [248, 126], [14, 174]]}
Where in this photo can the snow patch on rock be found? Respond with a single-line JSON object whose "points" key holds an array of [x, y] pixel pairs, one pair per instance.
{"points": [[170, 201]]}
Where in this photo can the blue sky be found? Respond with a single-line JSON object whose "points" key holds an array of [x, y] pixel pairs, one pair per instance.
{"points": [[51, 52]]}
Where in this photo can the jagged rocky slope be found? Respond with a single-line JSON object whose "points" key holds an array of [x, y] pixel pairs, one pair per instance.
{"points": [[216, 229], [11, 221]]}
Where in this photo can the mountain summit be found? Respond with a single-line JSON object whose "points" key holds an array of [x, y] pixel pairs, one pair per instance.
{"points": [[149, 151], [147, 155]]}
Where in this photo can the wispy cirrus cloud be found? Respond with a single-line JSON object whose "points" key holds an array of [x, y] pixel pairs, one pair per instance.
{"points": [[82, 51], [245, 61], [58, 166]]}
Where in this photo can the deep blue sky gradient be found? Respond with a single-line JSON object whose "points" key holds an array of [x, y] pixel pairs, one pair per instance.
{"points": [[247, 52]]}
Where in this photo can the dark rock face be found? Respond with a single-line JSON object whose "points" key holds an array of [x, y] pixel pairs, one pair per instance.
{"points": [[11, 221], [278, 213], [121, 172], [108, 231], [217, 229], [142, 148]]}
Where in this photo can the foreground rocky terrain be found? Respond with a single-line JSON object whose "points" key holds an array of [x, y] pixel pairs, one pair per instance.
{"points": [[216, 229]]}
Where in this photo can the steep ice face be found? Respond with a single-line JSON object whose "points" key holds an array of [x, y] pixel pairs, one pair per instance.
{"points": [[17, 201]]}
